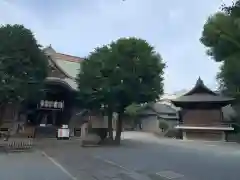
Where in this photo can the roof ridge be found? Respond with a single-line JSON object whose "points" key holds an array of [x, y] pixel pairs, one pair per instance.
{"points": [[69, 55], [199, 87]]}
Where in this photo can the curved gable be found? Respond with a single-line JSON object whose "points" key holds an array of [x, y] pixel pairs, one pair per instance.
{"points": [[200, 88], [62, 65]]}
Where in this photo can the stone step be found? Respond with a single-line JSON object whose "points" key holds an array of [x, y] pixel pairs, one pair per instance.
{"points": [[45, 132], [91, 140]]}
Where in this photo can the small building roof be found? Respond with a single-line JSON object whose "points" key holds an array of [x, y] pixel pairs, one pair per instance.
{"points": [[161, 110], [202, 98], [147, 112], [201, 93]]}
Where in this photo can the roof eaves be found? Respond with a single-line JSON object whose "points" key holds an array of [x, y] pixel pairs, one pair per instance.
{"points": [[72, 58], [200, 85], [68, 82], [59, 68]]}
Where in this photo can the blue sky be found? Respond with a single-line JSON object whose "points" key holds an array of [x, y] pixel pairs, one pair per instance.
{"points": [[76, 27]]}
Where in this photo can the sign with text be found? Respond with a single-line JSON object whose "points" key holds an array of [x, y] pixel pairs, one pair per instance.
{"points": [[45, 104]]}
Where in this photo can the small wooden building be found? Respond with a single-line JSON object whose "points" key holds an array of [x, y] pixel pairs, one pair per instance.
{"points": [[201, 115]]}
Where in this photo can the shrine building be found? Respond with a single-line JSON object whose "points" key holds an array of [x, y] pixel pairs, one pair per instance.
{"points": [[58, 106], [201, 115]]}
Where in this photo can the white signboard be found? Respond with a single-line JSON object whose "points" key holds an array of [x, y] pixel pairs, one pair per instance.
{"points": [[52, 104], [63, 133]]}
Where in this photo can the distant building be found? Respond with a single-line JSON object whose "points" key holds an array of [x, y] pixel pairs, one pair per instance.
{"points": [[155, 113], [228, 111], [166, 111], [201, 114]]}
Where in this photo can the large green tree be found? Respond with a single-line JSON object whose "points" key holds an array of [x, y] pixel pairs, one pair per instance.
{"points": [[221, 35], [23, 65], [124, 72]]}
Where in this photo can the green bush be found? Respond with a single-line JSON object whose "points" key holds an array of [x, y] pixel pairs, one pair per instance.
{"points": [[163, 125]]}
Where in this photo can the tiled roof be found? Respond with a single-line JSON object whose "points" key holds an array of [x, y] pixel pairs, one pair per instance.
{"points": [[68, 64], [163, 108], [200, 93], [201, 88], [202, 98], [66, 57]]}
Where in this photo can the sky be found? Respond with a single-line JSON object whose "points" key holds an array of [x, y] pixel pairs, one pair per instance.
{"points": [[76, 27]]}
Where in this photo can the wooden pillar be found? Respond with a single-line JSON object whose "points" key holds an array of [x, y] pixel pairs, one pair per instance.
{"points": [[184, 135], [53, 118], [221, 115], [84, 130], [223, 138]]}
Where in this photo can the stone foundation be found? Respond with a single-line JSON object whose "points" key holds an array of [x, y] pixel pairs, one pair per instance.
{"points": [[204, 135]]}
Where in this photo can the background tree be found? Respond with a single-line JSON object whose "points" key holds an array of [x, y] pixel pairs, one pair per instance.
{"points": [[134, 110], [221, 34], [23, 66]]}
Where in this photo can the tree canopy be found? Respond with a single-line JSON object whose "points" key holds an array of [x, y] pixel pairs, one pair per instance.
{"points": [[117, 75], [137, 75], [126, 71], [221, 35], [90, 81], [23, 65]]}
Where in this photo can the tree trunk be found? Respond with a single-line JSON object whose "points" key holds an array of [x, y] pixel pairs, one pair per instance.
{"points": [[15, 115], [110, 129], [119, 128], [2, 112]]}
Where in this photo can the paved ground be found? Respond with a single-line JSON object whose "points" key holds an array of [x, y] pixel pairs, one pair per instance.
{"points": [[29, 166], [141, 157], [195, 160]]}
